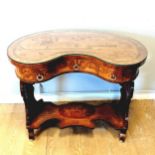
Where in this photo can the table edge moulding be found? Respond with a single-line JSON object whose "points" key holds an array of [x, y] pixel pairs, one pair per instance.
{"points": [[42, 56]]}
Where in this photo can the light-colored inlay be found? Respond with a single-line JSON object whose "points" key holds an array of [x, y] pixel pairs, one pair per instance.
{"points": [[45, 46]]}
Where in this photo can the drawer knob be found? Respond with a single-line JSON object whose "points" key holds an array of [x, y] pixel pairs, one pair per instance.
{"points": [[40, 77], [76, 67], [113, 76]]}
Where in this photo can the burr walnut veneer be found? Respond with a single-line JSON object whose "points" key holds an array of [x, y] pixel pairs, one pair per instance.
{"points": [[42, 56]]}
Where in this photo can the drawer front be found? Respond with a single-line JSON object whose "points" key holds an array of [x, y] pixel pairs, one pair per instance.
{"points": [[75, 63]]}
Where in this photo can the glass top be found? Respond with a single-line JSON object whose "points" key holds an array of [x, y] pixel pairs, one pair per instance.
{"points": [[46, 46]]}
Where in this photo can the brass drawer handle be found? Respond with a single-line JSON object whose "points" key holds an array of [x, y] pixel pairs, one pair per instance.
{"points": [[113, 76], [76, 67], [40, 77]]}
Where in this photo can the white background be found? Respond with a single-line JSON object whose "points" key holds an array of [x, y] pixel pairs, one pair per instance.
{"points": [[135, 18]]}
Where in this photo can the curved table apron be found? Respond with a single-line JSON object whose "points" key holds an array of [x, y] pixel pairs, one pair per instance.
{"points": [[35, 73], [40, 57]]}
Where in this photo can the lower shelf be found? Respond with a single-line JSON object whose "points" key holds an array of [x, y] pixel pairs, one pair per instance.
{"points": [[78, 114]]}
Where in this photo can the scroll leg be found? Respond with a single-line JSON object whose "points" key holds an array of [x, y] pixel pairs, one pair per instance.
{"points": [[27, 92], [126, 95]]}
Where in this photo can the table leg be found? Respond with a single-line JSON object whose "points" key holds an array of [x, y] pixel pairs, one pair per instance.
{"points": [[126, 95], [27, 92]]}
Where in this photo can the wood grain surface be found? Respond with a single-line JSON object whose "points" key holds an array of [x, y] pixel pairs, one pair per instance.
{"points": [[46, 46], [79, 141], [78, 114], [32, 73]]}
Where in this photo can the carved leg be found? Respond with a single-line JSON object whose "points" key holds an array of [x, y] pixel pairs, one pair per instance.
{"points": [[126, 95], [27, 92]]}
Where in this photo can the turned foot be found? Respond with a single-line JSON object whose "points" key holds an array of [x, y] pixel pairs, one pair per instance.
{"points": [[122, 134], [122, 137], [31, 134]]}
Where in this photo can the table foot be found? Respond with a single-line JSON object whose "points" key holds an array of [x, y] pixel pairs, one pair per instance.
{"points": [[122, 137], [31, 134]]}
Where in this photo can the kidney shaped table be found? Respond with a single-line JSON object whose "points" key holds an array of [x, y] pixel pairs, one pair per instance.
{"points": [[42, 56]]}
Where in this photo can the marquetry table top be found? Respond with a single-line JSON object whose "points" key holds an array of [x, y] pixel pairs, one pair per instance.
{"points": [[45, 46]]}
